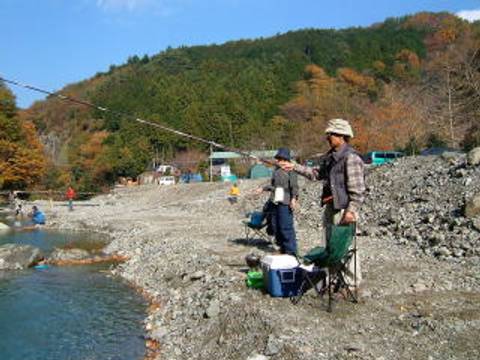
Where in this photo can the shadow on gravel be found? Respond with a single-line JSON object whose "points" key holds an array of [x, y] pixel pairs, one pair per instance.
{"points": [[258, 243]]}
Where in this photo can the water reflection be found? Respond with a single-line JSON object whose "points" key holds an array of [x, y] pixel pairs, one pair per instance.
{"points": [[49, 239]]}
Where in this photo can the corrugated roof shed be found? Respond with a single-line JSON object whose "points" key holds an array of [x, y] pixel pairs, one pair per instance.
{"points": [[233, 155]]}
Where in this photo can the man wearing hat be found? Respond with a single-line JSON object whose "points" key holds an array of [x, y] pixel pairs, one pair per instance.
{"points": [[284, 195], [342, 171]]}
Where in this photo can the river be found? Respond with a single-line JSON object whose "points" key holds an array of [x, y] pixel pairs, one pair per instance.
{"points": [[61, 313]]}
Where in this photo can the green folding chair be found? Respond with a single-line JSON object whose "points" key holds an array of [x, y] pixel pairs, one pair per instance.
{"points": [[330, 265]]}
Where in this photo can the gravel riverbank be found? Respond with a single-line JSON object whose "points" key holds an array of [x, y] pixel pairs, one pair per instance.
{"points": [[186, 247]]}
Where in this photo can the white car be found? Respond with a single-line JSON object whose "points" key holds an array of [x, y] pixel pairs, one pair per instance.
{"points": [[167, 180]]}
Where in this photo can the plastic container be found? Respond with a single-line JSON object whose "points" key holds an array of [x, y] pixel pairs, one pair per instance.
{"points": [[282, 275], [254, 280], [41, 266]]}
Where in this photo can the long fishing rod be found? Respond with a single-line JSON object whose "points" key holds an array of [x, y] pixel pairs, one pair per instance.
{"points": [[139, 120]]}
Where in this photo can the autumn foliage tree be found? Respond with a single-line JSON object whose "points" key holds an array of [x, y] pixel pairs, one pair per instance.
{"points": [[304, 117], [22, 162], [452, 86], [384, 116], [390, 123]]}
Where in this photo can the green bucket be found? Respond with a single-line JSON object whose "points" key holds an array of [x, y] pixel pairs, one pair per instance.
{"points": [[254, 280]]}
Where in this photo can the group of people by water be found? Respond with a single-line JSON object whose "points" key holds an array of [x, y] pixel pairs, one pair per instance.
{"points": [[341, 170], [35, 217], [24, 218]]}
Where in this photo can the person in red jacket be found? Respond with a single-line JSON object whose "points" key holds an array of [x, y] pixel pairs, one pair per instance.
{"points": [[70, 194]]}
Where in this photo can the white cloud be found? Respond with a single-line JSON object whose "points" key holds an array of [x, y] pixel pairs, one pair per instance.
{"points": [[123, 4], [163, 8], [469, 15]]}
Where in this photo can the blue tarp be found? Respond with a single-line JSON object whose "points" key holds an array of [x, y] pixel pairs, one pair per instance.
{"points": [[188, 178]]}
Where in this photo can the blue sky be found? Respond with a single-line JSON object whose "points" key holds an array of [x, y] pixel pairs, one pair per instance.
{"points": [[51, 43]]}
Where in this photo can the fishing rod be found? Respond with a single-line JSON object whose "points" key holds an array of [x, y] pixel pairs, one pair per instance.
{"points": [[137, 119]]}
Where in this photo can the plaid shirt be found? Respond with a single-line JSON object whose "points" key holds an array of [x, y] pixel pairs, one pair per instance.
{"points": [[355, 183], [354, 178]]}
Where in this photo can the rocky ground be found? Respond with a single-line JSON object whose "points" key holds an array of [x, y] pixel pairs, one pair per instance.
{"points": [[420, 258]]}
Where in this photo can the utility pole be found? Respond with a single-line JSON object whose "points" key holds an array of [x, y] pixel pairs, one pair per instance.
{"points": [[211, 165]]}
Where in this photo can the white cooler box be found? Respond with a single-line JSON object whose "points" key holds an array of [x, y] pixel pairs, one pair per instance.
{"points": [[282, 276]]}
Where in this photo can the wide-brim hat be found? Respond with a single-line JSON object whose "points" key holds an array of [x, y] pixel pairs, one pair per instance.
{"points": [[283, 153], [339, 126]]}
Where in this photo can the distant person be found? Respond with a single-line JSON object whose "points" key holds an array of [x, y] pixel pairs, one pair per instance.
{"points": [[188, 177], [11, 198], [70, 194], [284, 196], [19, 212], [342, 171], [19, 216], [233, 194], [38, 217]]}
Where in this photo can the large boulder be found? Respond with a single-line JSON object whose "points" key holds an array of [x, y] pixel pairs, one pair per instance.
{"points": [[472, 206], [17, 257], [473, 157], [66, 255], [4, 227], [451, 156]]}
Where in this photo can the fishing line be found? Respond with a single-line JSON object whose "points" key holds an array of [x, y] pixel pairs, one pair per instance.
{"points": [[139, 120]]}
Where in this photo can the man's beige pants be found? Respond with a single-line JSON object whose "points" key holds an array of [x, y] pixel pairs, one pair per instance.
{"points": [[333, 217]]}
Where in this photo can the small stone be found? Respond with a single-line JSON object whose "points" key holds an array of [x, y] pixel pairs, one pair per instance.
{"points": [[159, 333], [458, 252], [419, 287], [356, 347], [476, 223], [274, 346], [235, 298], [473, 157], [197, 275], [213, 310], [257, 357], [443, 251], [472, 206]]}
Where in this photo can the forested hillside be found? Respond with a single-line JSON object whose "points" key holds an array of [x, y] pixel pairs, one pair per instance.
{"points": [[403, 83]]}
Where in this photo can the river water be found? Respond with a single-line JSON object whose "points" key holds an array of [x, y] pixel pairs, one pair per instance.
{"points": [[62, 313]]}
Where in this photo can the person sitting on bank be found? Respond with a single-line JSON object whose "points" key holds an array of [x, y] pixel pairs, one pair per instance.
{"points": [[233, 194], [38, 217]]}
